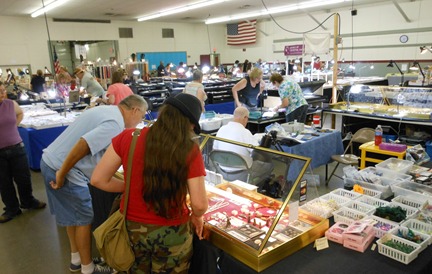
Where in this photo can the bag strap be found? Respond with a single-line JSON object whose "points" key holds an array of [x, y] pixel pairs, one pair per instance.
{"points": [[135, 135]]}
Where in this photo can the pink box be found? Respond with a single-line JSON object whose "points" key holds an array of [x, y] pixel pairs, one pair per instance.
{"points": [[335, 233], [393, 147], [361, 237], [359, 247]]}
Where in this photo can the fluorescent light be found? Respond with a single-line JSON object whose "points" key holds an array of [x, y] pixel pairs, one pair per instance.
{"points": [[180, 9], [48, 7], [275, 10]]}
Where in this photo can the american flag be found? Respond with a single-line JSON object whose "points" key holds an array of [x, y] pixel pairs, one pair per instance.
{"points": [[56, 62], [241, 33]]}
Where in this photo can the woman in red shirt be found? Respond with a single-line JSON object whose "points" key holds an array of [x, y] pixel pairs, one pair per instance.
{"points": [[167, 165]]}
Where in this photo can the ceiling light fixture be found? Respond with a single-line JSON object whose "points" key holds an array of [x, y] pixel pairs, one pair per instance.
{"points": [[48, 7], [275, 10], [180, 9]]}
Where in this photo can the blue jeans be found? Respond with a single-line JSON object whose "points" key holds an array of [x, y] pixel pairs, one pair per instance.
{"points": [[14, 167], [298, 114]]}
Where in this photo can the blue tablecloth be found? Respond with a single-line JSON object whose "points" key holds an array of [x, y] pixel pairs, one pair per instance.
{"points": [[319, 149], [35, 140]]}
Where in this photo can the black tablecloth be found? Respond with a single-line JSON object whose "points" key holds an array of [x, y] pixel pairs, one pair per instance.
{"points": [[335, 259]]}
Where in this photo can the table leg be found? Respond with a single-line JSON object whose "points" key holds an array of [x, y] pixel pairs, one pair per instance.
{"points": [[363, 159]]}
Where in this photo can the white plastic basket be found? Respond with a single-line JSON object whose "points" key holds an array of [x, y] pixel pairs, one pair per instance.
{"points": [[361, 207], [419, 226], [404, 230], [347, 215], [410, 211], [319, 208], [381, 226], [386, 191], [409, 201], [340, 200], [371, 192], [346, 193], [372, 201], [397, 254]]}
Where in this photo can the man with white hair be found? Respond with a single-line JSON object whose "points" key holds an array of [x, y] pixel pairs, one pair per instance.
{"points": [[236, 130]]}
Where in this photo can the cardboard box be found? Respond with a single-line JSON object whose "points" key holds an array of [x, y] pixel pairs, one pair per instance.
{"points": [[359, 247], [335, 233], [359, 237]]}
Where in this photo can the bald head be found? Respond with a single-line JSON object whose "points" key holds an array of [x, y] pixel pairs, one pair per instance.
{"points": [[241, 115]]}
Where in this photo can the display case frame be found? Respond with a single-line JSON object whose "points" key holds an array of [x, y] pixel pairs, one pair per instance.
{"points": [[263, 250], [388, 101]]}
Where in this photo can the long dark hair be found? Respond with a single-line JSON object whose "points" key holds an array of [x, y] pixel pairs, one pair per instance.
{"points": [[166, 166]]}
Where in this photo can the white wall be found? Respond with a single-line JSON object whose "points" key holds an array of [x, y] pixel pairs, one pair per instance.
{"points": [[24, 39]]}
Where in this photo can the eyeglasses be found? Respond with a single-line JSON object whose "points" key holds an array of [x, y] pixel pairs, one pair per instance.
{"points": [[142, 111]]}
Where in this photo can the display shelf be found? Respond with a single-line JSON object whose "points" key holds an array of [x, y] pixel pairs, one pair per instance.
{"points": [[258, 230]]}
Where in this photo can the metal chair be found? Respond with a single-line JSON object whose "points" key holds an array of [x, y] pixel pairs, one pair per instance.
{"points": [[231, 165], [362, 136]]}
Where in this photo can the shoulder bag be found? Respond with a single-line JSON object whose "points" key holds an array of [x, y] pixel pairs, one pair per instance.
{"points": [[112, 239]]}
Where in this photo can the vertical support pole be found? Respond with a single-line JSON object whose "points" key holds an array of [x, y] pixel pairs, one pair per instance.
{"points": [[335, 65]]}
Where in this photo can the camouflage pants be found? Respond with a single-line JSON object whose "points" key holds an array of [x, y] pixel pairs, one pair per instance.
{"points": [[160, 249]]}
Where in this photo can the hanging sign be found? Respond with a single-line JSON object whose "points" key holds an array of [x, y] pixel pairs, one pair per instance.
{"points": [[293, 50]]}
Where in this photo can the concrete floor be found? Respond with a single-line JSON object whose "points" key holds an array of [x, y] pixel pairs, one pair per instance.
{"points": [[32, 242]]}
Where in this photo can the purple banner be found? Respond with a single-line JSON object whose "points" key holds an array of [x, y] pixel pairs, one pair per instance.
{"points": [[293, 50]]}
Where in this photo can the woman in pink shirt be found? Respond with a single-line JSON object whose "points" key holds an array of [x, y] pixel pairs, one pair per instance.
{"points": [[117, 91]]}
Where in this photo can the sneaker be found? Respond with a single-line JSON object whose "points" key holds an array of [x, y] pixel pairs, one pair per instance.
{"points": [[36, 204], [7, 216], [102, 269], [77, 267]]}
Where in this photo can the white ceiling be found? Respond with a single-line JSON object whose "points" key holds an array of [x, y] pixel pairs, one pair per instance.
{"points": [[131, 10]]}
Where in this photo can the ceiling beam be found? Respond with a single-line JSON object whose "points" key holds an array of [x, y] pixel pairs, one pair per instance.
{"points": [[401, 11]]}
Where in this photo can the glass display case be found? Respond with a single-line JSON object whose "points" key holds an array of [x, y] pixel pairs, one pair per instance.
{"points": [[386, 101], [254, 213]]}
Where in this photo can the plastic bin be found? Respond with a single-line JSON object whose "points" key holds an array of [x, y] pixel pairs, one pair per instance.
{"points": [[409, 201], [371, 192], [404, 230], [385, 180], [372, 201], [381, 225], [413, 190], [340, 200], [396, 254], [319, 208], [361, 207], [346, 193], [410, 211], [392, 166], [419, 226], [347, 215]]}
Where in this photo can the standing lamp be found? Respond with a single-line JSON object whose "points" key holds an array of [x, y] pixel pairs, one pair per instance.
{"points": [[425, 49], [416, 66], [392, 64]]}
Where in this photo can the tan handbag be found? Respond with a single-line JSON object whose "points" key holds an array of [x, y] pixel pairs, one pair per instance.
{"points": [[112, 239]]}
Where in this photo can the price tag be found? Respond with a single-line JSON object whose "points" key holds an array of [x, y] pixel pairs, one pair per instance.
{"points": [[321, 243]]}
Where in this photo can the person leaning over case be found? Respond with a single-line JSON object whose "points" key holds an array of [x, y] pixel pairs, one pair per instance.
{"points": [[67, 165], [13, 162], [167, 165], [292, 98], [248, 90]]}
